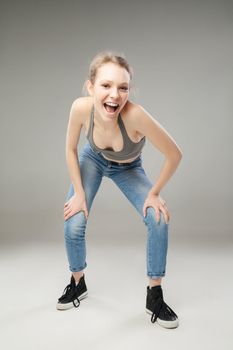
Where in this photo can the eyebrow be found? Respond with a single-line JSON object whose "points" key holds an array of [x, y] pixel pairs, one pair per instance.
{"points": [[124, 82]]}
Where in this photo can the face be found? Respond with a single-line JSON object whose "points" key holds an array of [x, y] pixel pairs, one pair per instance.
{"points": [[112, 86]]}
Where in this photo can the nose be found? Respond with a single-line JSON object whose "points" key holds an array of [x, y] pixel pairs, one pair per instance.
{"points": [[114, 92]]}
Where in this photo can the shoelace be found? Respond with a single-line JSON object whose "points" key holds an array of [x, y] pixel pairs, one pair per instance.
{"points": [[160, 305], [66, 291]]}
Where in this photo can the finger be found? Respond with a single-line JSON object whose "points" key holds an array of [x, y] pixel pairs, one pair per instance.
{"points": [[144, 211], [157, 214], [68, 215], [165, 214], [67, 210], [168, 217], [86, 211]]}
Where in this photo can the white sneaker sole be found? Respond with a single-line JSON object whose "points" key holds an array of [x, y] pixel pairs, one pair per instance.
{"points": [[61, 306], [166, 324]]}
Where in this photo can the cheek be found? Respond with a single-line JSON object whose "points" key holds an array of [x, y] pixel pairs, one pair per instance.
{"points": [[125, 98]]}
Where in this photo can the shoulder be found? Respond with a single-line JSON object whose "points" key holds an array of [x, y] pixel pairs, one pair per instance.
{"points": [[134, 116], [135, 113], [150, 127], [80, 108], [79, 113], [129, 109], [143, 121], [82, 101], [141, 118]]}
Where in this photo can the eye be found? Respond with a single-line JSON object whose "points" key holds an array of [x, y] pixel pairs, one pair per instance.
{"points": [[124, 88], [105, 85]]}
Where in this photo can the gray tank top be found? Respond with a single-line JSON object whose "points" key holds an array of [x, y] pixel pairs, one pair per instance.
{"points": [[130, 149]]}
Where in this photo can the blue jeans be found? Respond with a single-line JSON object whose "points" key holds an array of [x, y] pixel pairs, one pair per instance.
{"points": [[135, 185]]}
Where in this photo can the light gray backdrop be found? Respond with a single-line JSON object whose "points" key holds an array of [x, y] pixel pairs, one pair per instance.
{"points": [[181, 53]]}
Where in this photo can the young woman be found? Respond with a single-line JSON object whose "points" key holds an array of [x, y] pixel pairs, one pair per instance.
{"points": [[116, 130]]}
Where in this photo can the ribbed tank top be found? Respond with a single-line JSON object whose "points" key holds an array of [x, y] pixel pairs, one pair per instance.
{"points": [[130, 149]]}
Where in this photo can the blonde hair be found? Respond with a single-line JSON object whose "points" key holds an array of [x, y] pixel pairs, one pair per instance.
{"points": [[104, 57]]}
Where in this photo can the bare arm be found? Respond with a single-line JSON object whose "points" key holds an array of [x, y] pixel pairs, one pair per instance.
{"points": [[72, 138], [160, 138]]}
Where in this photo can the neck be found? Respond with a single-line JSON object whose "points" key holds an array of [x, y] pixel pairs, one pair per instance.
{"points": [[109, 125]]}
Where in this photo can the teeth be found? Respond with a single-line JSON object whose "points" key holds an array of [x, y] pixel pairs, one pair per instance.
{"points": [[111, 104]]}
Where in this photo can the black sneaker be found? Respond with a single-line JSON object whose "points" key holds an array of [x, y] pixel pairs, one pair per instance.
{"points": [[160, 311], [72, 294]]}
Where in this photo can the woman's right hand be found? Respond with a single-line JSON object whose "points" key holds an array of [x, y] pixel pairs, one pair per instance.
{"points": [[75, 204]]}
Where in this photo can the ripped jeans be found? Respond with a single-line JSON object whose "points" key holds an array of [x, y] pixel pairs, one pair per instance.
{"points": [[135, 185]]}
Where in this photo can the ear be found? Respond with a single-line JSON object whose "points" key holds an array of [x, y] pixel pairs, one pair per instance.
{"points": [[89, 87]]}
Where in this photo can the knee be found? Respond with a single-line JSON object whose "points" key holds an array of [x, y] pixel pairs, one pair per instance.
{"points": [[75, 226], [150, 219]]}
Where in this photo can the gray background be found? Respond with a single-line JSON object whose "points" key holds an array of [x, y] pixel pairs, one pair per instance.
{"points": [[182, 54]]}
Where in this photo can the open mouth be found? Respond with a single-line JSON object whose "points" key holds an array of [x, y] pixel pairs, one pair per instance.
{"points": [[111, 107]]}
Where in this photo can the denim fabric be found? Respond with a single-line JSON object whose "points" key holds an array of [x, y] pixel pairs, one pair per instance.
{"points": [[131, 179]]}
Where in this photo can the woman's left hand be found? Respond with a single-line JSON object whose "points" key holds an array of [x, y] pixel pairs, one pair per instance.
{"points": [[158, 204]]}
